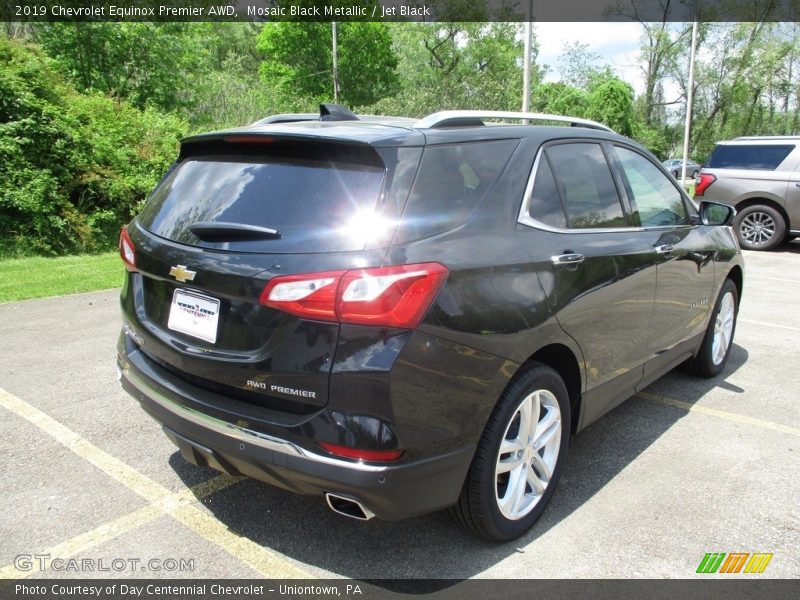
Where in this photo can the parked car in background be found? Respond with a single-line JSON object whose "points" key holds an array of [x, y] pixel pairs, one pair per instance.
{"points": [[405, 315], [675, 167], [760, 177]]}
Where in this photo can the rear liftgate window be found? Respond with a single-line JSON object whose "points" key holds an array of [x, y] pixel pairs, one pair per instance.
{"points": [[766, 156], [317, 197]]}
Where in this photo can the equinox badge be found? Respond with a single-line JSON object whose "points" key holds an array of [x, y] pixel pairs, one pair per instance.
{"points": [[181, 273]]}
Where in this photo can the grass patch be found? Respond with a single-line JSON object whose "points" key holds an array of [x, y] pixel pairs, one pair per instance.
{"points": [[38, 277]]}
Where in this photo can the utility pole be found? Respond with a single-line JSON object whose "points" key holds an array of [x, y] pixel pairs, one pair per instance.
{"points": [[526, 61], [689, 100], [335, 65]]}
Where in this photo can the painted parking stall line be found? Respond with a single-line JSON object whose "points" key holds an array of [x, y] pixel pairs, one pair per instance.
{"points": [[180, 506], [723, 414]]}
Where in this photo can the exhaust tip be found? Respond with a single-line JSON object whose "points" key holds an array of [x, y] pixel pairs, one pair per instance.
{"points": [[348, 507]]}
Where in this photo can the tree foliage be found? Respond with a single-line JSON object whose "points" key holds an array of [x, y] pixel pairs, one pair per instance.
{"points": [[456, 66], [90, 112], [298, 61], [73, 167]]}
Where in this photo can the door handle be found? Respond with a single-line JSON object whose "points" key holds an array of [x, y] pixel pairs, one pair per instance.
{"points": [[664, 248], [568, 259], [797, 184]]}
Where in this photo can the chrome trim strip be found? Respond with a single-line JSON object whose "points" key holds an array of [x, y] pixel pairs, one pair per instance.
{"points": [[524, 217], [256, 438], [448, 115]]}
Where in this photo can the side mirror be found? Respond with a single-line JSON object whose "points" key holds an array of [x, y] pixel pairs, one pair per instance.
{"points": [[714, 213]]}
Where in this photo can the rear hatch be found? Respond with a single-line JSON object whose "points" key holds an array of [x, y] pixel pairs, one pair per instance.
{"points": [[232, 214]]}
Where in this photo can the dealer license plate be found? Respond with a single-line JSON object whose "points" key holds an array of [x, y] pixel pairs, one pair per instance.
{"points": [[194, 314]]}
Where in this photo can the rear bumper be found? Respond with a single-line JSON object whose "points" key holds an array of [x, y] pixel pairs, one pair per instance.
{"points": [[391, 492]]}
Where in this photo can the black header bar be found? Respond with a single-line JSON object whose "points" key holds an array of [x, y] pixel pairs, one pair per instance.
{"points": [[398, 10]]}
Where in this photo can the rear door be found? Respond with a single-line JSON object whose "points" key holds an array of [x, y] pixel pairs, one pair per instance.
{"points": [[230, 216], [597, 270]]}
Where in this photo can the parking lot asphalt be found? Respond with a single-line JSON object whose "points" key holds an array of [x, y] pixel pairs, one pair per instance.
{"points": [[687, 467]]}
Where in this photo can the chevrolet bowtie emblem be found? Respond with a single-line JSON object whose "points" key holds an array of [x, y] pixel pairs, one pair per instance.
{"points": [[181, 273]]}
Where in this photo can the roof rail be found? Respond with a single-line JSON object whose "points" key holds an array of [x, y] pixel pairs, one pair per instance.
{"points": [[457, 118], [767, 137], [287, 118], [327, 112]]}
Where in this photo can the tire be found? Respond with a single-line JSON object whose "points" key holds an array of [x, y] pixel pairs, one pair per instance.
{"points": [[695, 173], [759, 227], [490, 505], [718, 339], [674, 174]]}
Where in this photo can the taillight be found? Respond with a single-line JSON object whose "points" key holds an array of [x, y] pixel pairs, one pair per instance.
{"points": [[361, 453], [395, 296], [127, 250], [703, 181]]}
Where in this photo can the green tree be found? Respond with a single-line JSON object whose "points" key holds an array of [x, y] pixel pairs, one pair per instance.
{"points": [[559, 98], [610, 101], [578, 65], [456, 66], [298, 61], [145, 63], [73, 167]]}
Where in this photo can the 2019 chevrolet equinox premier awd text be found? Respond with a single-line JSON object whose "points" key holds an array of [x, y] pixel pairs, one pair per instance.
{"points": [[404, 316]]}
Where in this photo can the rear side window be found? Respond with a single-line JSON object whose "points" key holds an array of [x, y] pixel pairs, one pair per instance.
{"points": [[545, 204], [761, 156], [451, 181], [315, 196], [587, 186]]}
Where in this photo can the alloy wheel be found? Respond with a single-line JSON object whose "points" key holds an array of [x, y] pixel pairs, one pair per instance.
{"points": [[528, 454], [723, 329], [757, 228]]}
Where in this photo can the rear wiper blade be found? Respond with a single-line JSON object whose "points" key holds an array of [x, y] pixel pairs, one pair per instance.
{"points": [[214, 231]]}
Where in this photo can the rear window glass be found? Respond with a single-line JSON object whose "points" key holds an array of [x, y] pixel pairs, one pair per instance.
{"points": [[762, 156], [318, 199], [450, 183], [590, 195]]}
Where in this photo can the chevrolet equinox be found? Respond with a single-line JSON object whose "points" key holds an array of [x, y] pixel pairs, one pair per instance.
{"points": [[404, 315]]}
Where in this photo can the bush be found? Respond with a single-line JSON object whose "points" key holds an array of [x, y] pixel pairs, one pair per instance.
{"points": [[73, 167]]}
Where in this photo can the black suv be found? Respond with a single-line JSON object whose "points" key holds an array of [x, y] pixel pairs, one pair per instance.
{"points": [[404, 316]]}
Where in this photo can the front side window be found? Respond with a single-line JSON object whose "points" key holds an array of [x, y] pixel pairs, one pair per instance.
{"points": [[587, 187], [655, 197]]}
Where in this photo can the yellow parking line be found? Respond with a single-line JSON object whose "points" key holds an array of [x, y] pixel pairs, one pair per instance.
{"points": [[161, 501], [106, 532], [268, 564], [773, 279], [80, 543], [723, 414], [765, 324], [113, 467]]}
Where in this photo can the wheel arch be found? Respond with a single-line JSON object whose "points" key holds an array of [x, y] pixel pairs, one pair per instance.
{"points": [[563, 361], [737, 277]]}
